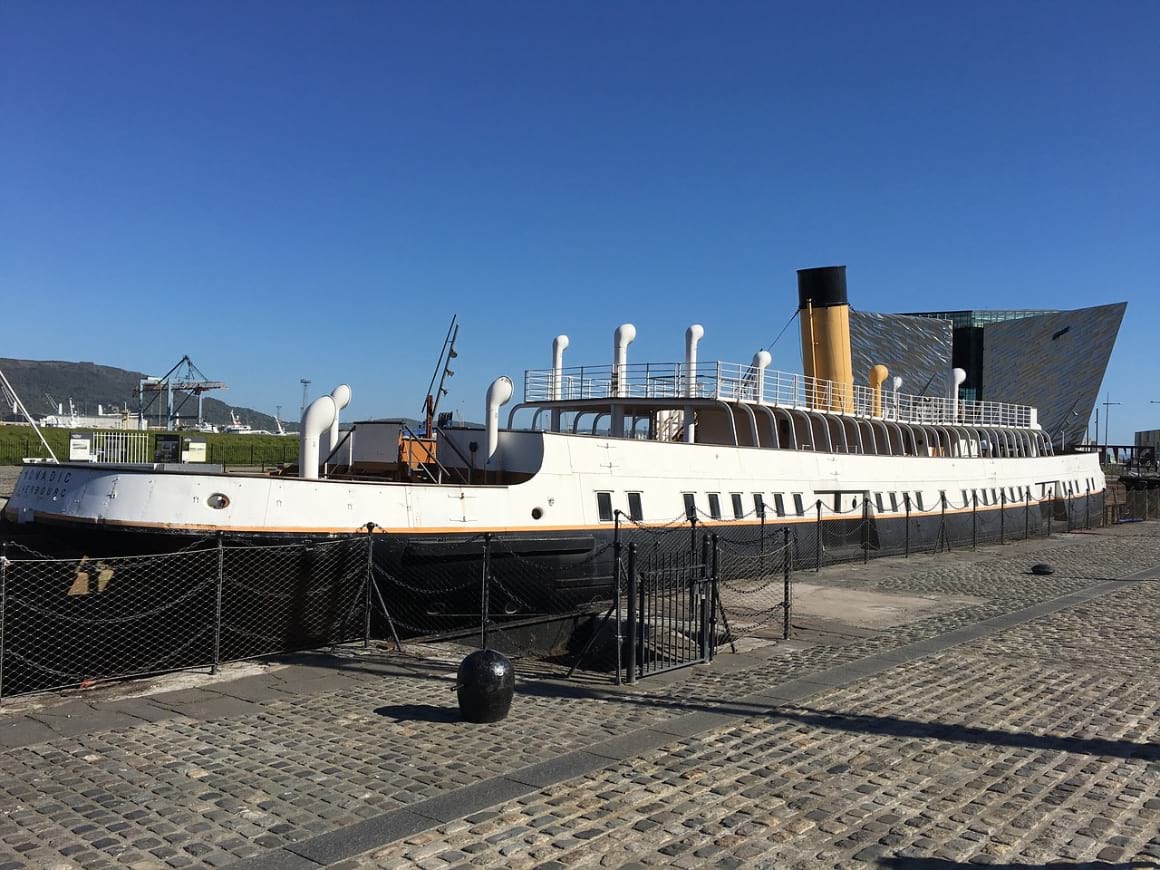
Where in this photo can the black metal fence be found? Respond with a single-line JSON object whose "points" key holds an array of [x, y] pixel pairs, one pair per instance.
{"points": [[860, 532], [237, 450], [69, 622], [1134, 504], [679, 603]]}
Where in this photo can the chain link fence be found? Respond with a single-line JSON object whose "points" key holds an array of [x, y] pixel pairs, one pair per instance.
{"points": [[1133, 504], [70, 622]]}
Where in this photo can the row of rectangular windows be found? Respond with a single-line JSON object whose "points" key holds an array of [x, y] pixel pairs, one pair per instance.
{"points": [[994, 496]]}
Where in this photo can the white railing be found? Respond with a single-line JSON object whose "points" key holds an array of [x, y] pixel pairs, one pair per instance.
{"points": [[121, 447], [739, 382]]}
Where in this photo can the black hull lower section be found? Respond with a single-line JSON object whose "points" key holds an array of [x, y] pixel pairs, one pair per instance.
{"points": [[114, 602]]}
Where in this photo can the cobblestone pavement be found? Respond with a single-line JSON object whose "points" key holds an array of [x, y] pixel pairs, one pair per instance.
{"points": [[1027, 744], [1036, 744]]}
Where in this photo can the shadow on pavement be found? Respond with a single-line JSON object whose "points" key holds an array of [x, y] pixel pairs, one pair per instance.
{"points": [[943, 864], [891, 725], [420, 713]]}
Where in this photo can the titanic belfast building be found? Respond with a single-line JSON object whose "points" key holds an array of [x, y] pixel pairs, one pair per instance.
{"points": [[1054, 360]]}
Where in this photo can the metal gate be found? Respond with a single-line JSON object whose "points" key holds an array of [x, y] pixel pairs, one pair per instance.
{"points": [[672, 610]]}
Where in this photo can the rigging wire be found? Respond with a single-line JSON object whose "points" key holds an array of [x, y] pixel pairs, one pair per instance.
{"points": [[792, 318]]}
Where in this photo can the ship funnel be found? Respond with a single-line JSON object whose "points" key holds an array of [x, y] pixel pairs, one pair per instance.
{"points": [[315, 420], [958, 376], [761, 361], [878, 376], [341, 395], [559, 345], [499, 393], [825, 324], [621, 339]]}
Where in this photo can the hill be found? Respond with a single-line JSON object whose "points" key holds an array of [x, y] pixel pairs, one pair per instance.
{"points": [[89, 385]]}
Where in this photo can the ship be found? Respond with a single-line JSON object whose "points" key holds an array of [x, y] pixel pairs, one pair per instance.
{"points": [[736, 447]]}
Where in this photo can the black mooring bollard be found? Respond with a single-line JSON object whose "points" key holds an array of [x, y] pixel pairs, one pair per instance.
{"points": [[485, 684]]}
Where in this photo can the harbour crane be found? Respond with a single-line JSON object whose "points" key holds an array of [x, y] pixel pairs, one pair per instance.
{"points": [[185, 378]]}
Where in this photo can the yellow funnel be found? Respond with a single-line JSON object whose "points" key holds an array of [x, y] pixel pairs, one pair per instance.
{"points": [[825, 319], [878, 376]]}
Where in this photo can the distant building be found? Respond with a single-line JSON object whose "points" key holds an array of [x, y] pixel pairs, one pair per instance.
{"points": [[1053, 360], [1147, 445]]}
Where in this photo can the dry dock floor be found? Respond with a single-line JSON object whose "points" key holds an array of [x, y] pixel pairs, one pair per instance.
{"points": [[934, 712]]}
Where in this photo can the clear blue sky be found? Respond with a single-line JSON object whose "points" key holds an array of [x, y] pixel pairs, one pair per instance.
{"points": [[289, 191]]}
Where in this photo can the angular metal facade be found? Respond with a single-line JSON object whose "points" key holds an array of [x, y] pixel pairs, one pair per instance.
{"points": [[917, 349], [1055, 362]]}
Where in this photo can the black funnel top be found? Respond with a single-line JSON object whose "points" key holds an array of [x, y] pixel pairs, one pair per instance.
{"points": [[822, 287]]}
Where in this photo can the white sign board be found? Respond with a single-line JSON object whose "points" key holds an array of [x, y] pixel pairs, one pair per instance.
{"points": [[80, 447]]}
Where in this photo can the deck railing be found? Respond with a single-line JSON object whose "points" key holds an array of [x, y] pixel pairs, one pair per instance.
{"points": [[745, 383], [130, 447]]}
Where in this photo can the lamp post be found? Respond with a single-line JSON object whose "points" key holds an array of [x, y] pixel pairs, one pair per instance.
{"points": [[305, 386], [1107, 413]]}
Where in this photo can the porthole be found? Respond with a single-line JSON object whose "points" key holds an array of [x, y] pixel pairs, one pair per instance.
{"points": [[218, 500], [537, 513]]}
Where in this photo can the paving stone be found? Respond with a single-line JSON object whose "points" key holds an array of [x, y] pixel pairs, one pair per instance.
{"points": [[1045, 729]]}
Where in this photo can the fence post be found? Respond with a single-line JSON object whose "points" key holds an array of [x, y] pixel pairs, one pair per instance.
{"points": [[633, 640], [1087, 507], [714, 592], [761, 549], [974, 519], [370, 578], [693, 532], [865, 530], [906, 502], [217, 607], [787, 601], [818, 539], [701, 602], [3, 611], [942, 522], [616, 569], [1002, 516], [1050, 512], [485, 594]]}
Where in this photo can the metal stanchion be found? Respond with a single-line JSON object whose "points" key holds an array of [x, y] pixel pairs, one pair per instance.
{"points": [[633, 639], [3, 611], [943, 523], [1002, 516], [818, 539], [701, 601], [761, 548], [787, 602], [714, 599], [974, 519], [865, 530], [217, 607], [370, 578], [616, 568], [486, 591], [906, 502]]}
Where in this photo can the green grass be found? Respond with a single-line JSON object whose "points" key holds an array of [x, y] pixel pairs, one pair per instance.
{"points": [[18, 442]]}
